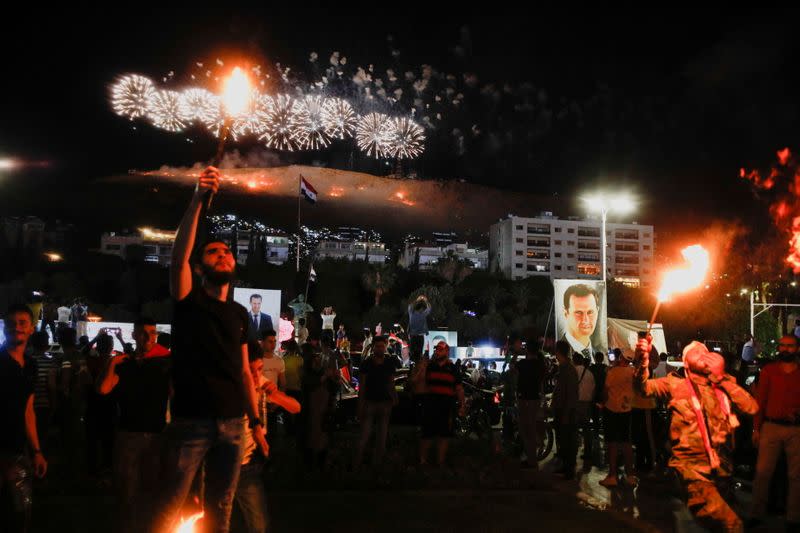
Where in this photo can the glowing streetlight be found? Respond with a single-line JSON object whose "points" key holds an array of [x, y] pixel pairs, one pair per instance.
{"points": [[7, 164], [603, 203], [54, 257]]}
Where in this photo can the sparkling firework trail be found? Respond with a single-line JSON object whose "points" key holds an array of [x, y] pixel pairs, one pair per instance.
{"points": [[250, 120], [164, 110], [407, 138], [310, 130], [339, 118], [199, 104], [130, 96], [279, 123], [373, 134]]}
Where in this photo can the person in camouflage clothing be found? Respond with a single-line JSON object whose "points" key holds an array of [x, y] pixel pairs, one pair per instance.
{"points": [[702, 428]]}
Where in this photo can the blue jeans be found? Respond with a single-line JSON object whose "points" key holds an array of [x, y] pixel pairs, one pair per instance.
{"points": [[251, 498], [137, 472], [16, 485], [190, 443]]}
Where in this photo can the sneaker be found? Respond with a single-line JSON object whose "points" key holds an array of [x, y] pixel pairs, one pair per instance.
{"points": [[609, 481]]}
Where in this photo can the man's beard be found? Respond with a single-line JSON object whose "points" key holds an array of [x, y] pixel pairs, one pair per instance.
{"points": [[216, 277]]}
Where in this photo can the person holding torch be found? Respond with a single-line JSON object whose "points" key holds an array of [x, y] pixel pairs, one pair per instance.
{"points": [[212, 383], [703, 421]]}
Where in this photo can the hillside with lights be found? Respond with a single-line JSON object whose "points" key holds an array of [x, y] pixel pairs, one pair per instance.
{"points": [[344, 197]]}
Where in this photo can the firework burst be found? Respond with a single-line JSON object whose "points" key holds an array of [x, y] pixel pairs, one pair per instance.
{"points": [[164, 110], [278, 123], [374, 134], [339, 118], [310, 130], [130, 96], [407, 138], [250, 120], [199, 104]]}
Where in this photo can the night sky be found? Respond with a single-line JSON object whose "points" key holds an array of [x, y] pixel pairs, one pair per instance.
{"points": [[668, 105]]}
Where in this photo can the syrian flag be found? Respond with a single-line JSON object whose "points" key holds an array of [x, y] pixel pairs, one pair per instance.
{"points": [[307, 191], [312, 274]]}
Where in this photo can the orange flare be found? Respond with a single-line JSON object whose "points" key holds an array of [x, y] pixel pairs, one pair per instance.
{"points": [[188, 525], [689, 277]]}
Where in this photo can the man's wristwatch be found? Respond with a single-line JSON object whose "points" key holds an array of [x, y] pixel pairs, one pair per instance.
{"points": [[255, 422]]}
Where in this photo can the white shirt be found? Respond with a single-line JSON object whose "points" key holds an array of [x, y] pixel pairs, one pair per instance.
{"points": [[64, 312], [327, 320], [576, 344], [585, 385], [273, 367]]}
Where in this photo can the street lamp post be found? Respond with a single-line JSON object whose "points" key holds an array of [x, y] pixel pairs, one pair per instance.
{"points": [[605, 203]]}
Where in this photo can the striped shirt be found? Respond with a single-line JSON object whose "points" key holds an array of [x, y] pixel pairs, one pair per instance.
{"points": [[45, 364], [442, 379]]}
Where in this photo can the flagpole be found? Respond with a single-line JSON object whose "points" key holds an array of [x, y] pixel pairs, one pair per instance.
{"points": [[299, 230], [308, 279]]}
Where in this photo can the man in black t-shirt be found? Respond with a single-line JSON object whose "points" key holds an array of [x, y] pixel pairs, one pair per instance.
{"points": [[530, 374], [140, 384], [213, 386], [376, 397], [18, 422]]}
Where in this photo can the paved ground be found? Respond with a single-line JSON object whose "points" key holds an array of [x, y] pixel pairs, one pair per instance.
{"points": [[482, 488]]}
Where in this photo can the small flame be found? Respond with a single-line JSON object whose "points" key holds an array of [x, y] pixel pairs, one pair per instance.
{"points": [[236, 93], [188, 525], [689, 277], [784, 155]]}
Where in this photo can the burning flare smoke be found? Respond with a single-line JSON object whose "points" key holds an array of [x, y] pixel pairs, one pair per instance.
{"points": [[783, 183]]}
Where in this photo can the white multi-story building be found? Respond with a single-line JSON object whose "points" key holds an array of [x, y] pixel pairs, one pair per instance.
{"points": [[546, 245], [430, 254], [157, 244], [374, 252], [276, 247]]}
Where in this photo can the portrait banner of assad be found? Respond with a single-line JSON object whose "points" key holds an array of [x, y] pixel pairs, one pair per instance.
{"points": [[263, 309], [580, 314]]}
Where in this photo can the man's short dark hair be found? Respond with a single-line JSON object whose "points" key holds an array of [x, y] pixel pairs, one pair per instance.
{"points": [[562, 347], [142, 321], [380, 338], [268, 333], [254, 351], [19, 308], [579, 291], [197, 255], [67, 337], [599, 357], [40, 340], [255, 297]]}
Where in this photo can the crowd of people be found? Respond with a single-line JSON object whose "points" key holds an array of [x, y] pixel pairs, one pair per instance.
{"points": [[192, 416]]}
